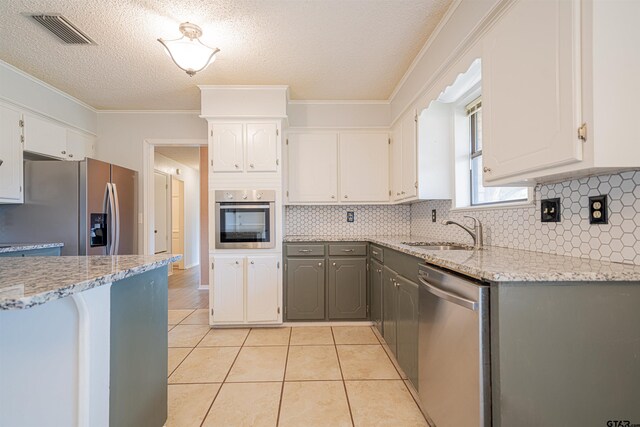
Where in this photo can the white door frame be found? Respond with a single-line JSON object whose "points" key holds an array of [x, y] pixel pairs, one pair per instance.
{"points": [[148, 168]]}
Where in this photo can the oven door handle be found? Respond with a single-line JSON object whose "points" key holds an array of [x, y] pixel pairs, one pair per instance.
{"points": [[264, 206]]}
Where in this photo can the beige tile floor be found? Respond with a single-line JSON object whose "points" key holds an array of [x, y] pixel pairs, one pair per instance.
{"points": [[302, 376]]}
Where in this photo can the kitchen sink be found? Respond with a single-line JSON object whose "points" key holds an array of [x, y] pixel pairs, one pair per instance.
{"points": [[438, 246]]}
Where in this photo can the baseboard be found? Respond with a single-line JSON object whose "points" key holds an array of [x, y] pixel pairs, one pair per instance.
{"points": [[203, 287], [330, 323], [187, 267]]}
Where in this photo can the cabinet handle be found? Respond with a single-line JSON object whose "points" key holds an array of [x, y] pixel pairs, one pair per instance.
{"points": [[486, 169], [374, 252], [402, 192], [251, 262], [237, 262], [334, 264], [333, 197], [63, 152], [251, 166], [347, 250], [304, 250], [319, 264], [70, 156], [236, 166], [346, 196], [1, 162], [397, 194]]}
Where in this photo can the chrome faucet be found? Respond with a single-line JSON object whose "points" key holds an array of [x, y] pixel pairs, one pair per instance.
{"points": [[475, 232]]}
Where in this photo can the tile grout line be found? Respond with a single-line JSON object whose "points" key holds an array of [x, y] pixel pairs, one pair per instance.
{"points": [[224, 380], [344, 384], [187, 355], [401, 379], [284, 376]]}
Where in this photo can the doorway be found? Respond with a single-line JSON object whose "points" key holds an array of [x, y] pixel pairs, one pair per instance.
{"points": [[161, 203]]}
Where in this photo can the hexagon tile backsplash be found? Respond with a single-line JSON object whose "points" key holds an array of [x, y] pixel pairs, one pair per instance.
{"points": [[517, 227], [520, 227]]}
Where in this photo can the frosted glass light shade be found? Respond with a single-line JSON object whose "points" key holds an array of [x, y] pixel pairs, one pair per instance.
{"points": [[188, 52]]}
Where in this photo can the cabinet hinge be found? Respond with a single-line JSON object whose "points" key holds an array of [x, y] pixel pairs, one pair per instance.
{"points": [[389, 139], [212, 266], [21, 188], [415, 118], [285, 266], [367, 266], [287, 141], [416, 184], [582, 132], [367, 309], [212, 311], [389, 192], [278, 310], [211, 162], [21, 123], [278, 264], [21, 139], [287, 193], [277, 132], [211, 133], [285, 309], [277, 162]]}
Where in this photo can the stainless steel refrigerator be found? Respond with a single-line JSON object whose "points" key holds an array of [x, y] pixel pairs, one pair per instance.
{"points": [[90, 206]]}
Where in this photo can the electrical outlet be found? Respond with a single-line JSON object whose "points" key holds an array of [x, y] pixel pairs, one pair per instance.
{"points": [[550, 210], [351, 216], [433, 215], [598, 210]]}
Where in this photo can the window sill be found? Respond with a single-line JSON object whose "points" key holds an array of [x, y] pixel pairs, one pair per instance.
{"points": [[497, 206]]}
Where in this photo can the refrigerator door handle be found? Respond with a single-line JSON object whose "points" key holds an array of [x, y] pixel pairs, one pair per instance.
{"points": [[108, 210], [117, 218], [112, 214]]}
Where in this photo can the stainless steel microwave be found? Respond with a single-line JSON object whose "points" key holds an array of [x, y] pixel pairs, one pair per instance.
{"points": [[245, 219]]}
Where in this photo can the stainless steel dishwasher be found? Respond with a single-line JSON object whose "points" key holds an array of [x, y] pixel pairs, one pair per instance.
{"points": [[453, 350]]}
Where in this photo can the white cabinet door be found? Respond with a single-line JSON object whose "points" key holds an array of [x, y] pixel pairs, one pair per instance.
{"points": [[10, 156], [262, 147], [228, 289], [529, 93], [364, 167], [79, 146], [396, 163], [44, 137], [409, 157], [263, 289], [226, 146], [313, 167]]}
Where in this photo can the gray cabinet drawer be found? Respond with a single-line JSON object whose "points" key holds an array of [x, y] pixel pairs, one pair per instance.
{"points": [[305, 250], [377, 253], [351, 249]]}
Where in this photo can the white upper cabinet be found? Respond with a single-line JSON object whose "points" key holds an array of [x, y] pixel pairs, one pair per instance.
{"points": [[10, 156], [226, 147], [262, 147], [409, 187], [44, 137], [364, 167], [530, 96], [264, 294], [228, 289], [244, 147], [312, 167], [79, 145], [396, 163]]}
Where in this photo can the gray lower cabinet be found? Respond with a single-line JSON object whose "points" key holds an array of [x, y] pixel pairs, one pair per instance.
{"points": [[305, 288], [375, 289], [389, 307], [33, 252], [407, 327], [347, 288]]}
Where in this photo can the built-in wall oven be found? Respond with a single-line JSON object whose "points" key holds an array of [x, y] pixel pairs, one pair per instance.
{"points": [[245, 219]]}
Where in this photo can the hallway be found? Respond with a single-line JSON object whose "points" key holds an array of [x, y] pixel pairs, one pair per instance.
{"points": [[184, 292]]}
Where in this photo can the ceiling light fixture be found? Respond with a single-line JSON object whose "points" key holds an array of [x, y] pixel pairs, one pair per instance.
{"points": [[188, 52]]}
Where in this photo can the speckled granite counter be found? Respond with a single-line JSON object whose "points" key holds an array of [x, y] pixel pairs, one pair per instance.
{"points": [[496, 264], [27, 282], [17, 247]]}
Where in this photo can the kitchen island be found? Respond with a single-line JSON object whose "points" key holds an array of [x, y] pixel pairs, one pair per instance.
{"points": [[83, 340], [563, 343]]}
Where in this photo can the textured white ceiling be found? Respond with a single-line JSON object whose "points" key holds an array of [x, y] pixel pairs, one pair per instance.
{"points": [[323, 49], [188, 156]]}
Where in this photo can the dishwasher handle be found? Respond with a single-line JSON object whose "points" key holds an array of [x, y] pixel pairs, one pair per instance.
{"points": [[449, 296]]}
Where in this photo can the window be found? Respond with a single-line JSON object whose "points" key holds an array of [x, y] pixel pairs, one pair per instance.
{"points": [[481, 195]]}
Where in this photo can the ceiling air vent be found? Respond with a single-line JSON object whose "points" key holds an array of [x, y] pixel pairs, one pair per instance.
{"points": [[61, 27]]}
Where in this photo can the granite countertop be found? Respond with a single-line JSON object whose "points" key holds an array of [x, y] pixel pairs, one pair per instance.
{"points": [[31, 281], [17, 247], [497, 264]]}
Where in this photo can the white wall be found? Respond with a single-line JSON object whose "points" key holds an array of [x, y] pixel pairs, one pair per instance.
{"points": [[121, 136], [191, 179], [27, 92]]}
